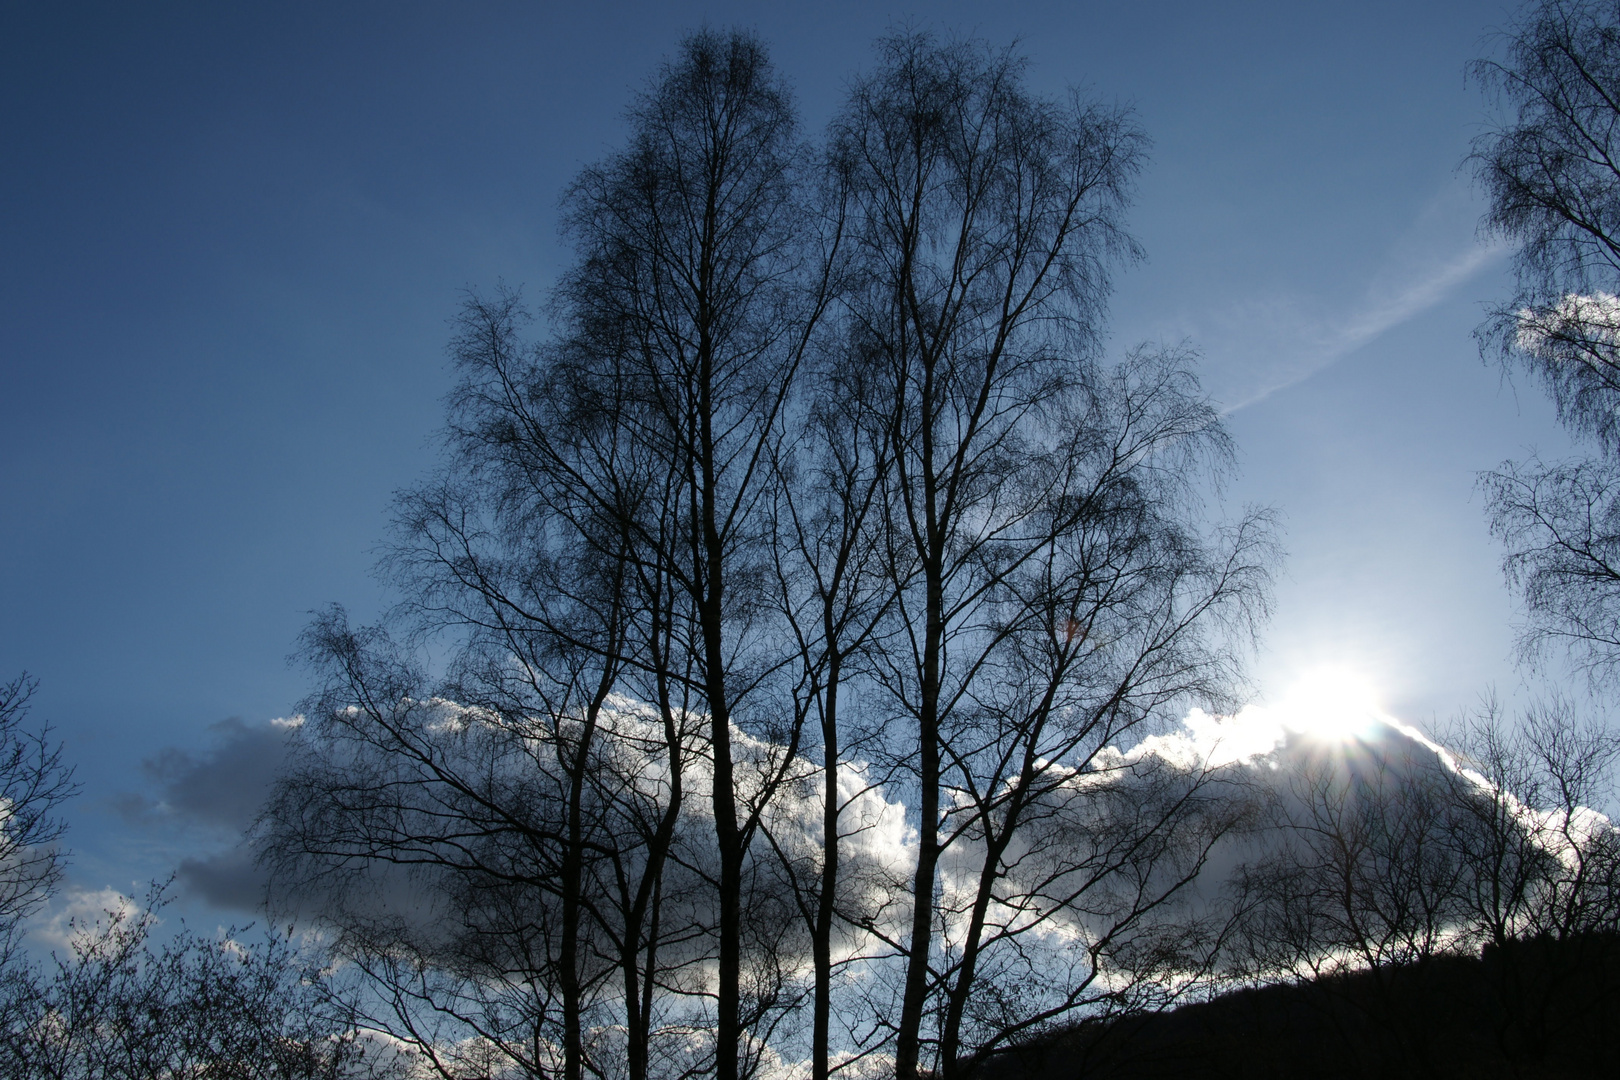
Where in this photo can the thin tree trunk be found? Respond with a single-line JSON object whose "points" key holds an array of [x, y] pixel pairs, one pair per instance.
{"points": [[908, 1045], [996, 841], [574, 853], [572, 871], [930, 538], [728, 998], [958, 994], [643, 911], [822, 937]]}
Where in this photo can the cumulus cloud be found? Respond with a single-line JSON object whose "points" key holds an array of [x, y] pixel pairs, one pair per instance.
{"points": [[221, 788], [207, 798], [76, 912], [1262, 748]]}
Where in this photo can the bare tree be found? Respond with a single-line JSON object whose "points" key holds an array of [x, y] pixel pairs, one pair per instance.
{"points": [[835, 594], [118, 1008], [534, 550], [1560, 524], [1050, 594], [1542, 890], [703, 275], [428, 838], [599, 535], [1551, 168], [33, 783], [1364, 878], [807, 458], [533, 815], [498, 787]]}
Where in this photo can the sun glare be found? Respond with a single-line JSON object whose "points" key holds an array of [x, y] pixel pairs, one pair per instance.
{"points": [[1332, 704]]}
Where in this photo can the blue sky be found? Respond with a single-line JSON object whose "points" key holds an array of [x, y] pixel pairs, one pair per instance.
{"points": [[233, 234]]}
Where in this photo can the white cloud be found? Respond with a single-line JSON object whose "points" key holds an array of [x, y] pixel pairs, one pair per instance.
{"points": [[1207, 740], [1580, 329], [78, 912], [879, 847]]}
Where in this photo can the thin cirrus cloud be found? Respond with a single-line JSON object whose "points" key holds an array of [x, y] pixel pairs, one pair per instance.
{"points": [[1288, 346], [1261, 345]]}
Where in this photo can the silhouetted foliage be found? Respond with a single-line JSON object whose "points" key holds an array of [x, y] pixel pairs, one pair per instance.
{"points": [[33, 784], [116, 1008], [1412, 914], [1541, 870], [1363, 878]]}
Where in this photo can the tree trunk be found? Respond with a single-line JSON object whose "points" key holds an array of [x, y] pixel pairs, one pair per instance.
{"points": [[909, 1041], [822, 936]]}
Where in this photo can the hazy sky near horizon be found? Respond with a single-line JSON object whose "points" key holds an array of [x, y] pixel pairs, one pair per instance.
{"points": [[233, 235]]}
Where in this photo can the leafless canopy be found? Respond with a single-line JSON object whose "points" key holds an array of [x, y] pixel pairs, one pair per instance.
{"points": [[1551, 169], [812, 520]]}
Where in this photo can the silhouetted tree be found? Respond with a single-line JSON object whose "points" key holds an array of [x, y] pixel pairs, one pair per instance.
{"points": [[701, 281], [815, 452], [114, 1007], [599, 535], [1551, 169], [1050, 591], [1363, 876], [118, 1008], [1542, 889], [1542, 881], [430, 838], [33, 783], [533, 812], [835, 592]]}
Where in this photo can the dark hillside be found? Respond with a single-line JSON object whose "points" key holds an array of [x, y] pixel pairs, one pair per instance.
{"points": [[1536, 1010]]}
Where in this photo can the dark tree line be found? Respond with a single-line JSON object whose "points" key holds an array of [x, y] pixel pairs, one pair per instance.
{"points": [[33, 784], [120, 1006], [1550, 167], [789, 590], [1402, 911]]}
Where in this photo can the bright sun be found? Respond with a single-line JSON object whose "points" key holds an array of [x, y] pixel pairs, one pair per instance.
{"points": [[1331, 703]]}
